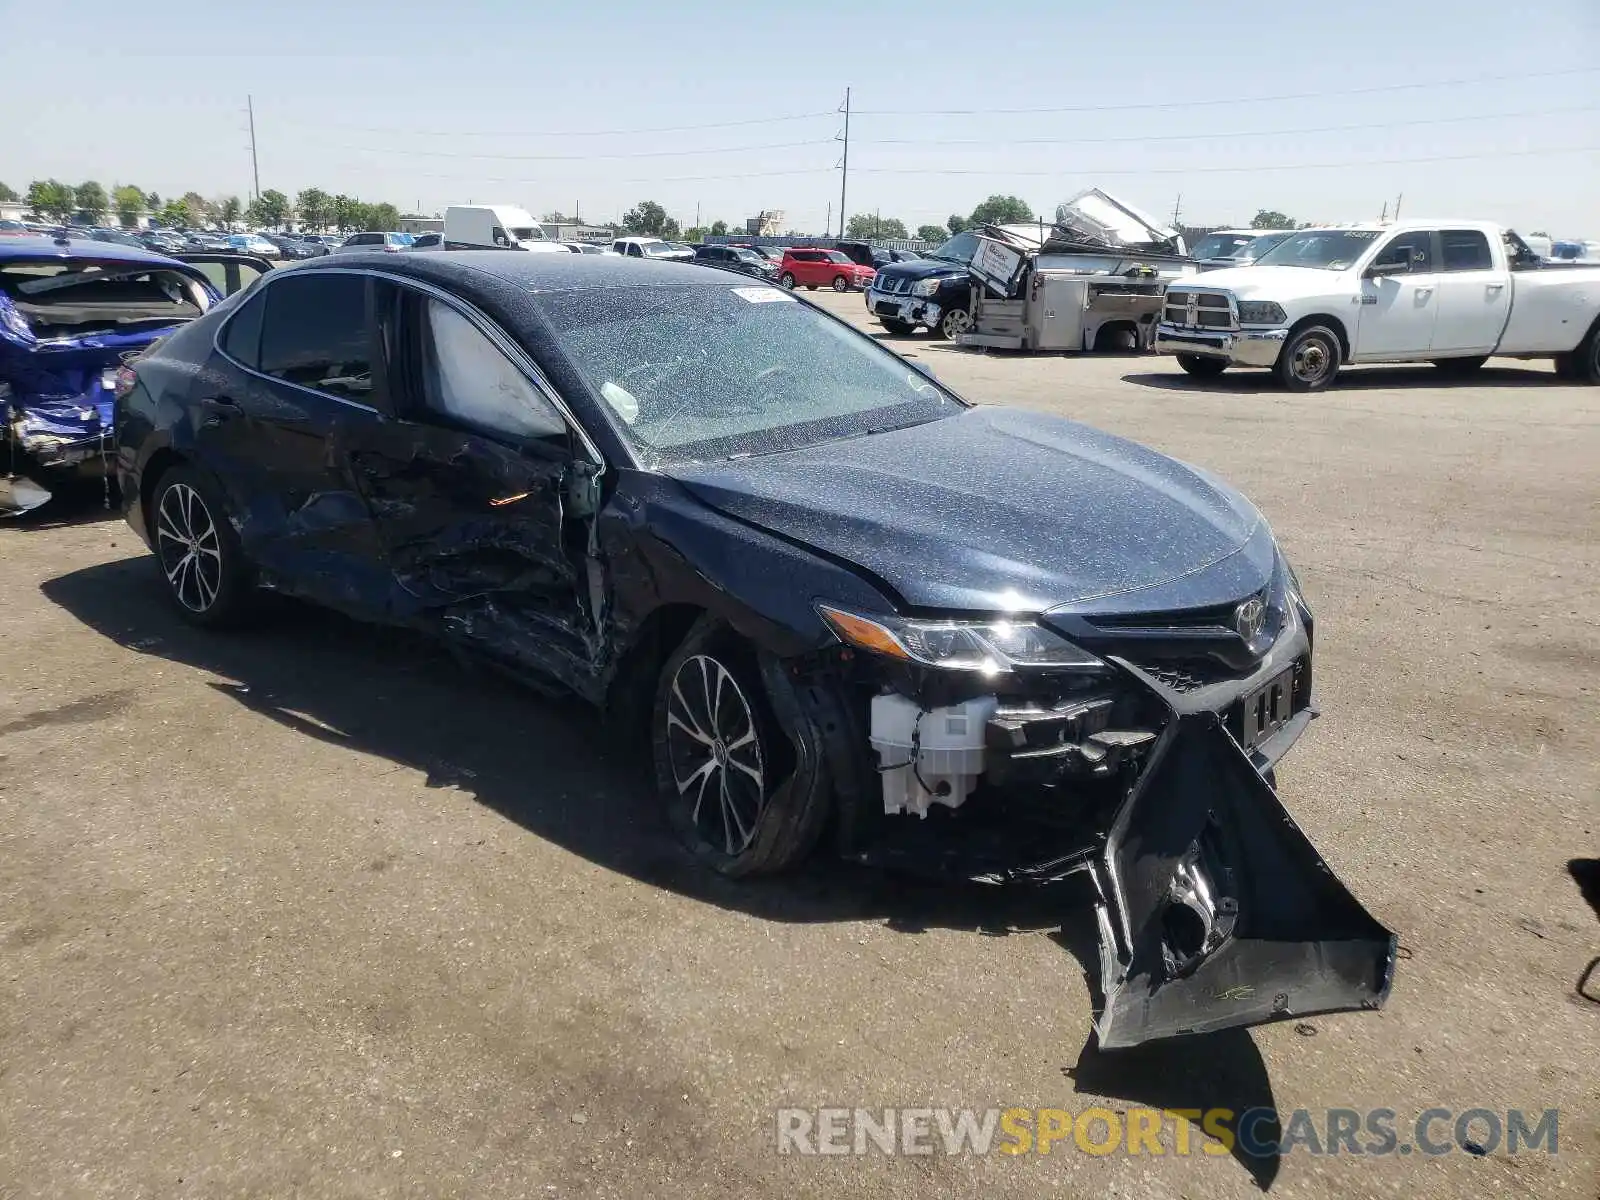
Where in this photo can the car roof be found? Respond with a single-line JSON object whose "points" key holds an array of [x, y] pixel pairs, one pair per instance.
{"points": [[42, 249], [471, 272]]}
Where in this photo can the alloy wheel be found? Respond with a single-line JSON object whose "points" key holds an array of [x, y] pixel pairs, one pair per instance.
{"points": [[955, 322], [714, 748], [189, 548], [841, 284]]}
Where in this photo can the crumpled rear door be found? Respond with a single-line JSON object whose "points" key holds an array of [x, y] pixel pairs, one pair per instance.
{"points": [[1216, 910]]}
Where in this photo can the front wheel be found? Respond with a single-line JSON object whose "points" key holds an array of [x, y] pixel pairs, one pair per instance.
{"points": [[786, 280], [841, 284], [1310, 360], [201, 561], [1585, 360], [953, 324], [733, 787], [1202, 367]]}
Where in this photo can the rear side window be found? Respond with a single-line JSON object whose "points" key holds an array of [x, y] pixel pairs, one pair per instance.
{"points": [[315, 333], [1465, 250], [241, 336]]}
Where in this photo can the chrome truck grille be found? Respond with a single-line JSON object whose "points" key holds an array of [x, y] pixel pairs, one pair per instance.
{"points": [[1198, 310]]}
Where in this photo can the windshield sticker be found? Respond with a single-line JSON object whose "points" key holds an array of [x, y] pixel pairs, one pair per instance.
{"points": [[763, 295]]}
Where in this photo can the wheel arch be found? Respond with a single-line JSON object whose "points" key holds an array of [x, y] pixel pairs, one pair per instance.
{"points": [[1332, 322]]}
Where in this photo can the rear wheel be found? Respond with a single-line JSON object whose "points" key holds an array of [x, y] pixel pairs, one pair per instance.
{"points": [[724, 769], [898, 328], [953, 324], [786, 280], [1586, 359], [1202, 367], [201, 561], [841, 284], [1460, 366], [1310, 360]]}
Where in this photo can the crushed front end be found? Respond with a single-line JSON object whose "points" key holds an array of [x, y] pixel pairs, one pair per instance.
{"points": [[1134, 751]]}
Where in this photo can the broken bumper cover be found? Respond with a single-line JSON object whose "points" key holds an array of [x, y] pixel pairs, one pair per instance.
{"points": [[1215, 910], [1243, 347], [913, 310]]}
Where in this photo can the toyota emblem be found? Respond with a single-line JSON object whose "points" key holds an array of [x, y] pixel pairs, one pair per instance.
{"points": [[1249, 618]]}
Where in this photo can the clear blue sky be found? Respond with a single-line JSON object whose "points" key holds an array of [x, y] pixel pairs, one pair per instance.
{"points": [[393, 101]]}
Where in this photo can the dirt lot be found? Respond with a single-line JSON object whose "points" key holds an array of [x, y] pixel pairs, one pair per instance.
{"points": [[309, 911]]}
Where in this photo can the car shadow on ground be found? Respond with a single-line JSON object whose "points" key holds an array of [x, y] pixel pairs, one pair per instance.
{"points": [[72, 502], [558, 770], [1249, 382]]}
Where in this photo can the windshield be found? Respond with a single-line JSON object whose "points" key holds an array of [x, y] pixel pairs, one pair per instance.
{"points": [[837, 256], [1259, 246], [958, 249], [656, 249], [1222, 245], [749, 256], [528, 233], [731, 371], [1324, 249]]}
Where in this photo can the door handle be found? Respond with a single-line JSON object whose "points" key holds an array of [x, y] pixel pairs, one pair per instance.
{"points": [[1495, 287]]}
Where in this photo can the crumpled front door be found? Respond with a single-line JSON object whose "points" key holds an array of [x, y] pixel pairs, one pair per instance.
{"points": [[1216, 910]]}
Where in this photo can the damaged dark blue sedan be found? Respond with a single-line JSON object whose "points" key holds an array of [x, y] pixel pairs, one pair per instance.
{"points": [[70, 313], [841, 604]]}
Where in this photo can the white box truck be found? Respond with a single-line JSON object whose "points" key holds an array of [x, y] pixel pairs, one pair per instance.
{"points": [[495, 227]]}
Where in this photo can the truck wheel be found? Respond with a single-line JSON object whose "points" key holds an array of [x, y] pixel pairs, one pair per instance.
{"points": [[841, 284], [953, 324], [786, 280], [1310, 360], [1202, 367], [1586, 359], [738, 797], [898, 328], [1460, 366]]}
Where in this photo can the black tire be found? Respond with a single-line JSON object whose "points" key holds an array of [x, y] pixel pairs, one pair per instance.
{"points": [[952, 324], [786, 280], [1586, 359], [841, 284], [811, 287], [898, 328], [1310, 360], [197, 551], [1460, 366], [762, 816], [1567, 367], [1202, 367]]}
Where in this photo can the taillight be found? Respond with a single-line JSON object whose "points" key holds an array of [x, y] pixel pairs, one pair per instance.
{"points": [[125, 382]]}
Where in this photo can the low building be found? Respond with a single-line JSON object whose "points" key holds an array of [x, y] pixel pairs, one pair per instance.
{"points": [[575, 231], [764, 224]]}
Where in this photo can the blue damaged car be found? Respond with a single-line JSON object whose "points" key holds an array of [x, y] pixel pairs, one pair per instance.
{"points": [[71, 313]]}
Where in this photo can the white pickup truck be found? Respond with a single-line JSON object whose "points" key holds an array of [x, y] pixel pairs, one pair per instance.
{"points": [[1447, 292]]}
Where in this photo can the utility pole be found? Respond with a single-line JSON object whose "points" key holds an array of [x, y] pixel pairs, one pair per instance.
{"points": [[1177, 206], [255, 167], [827, 225], [1397, 200], [844, 173]]}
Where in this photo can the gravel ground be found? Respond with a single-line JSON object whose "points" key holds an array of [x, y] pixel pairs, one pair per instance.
{"points": [[309, 911]]}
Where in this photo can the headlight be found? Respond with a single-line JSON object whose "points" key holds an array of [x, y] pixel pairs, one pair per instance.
{"points": [[926, 287], [987, 646], [1260, 312]]}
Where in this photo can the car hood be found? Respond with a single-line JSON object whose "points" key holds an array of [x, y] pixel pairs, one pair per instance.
{"points": [[922, 268], [1000, 510], [1272, 283]]}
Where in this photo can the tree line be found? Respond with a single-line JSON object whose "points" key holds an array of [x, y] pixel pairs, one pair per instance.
{"points": [[312, 207]]}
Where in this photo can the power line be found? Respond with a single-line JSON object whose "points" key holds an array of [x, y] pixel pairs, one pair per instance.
{"points": [[640, 179], [1355, 162], [387, 152], [1213, 102], [1238, 133], [505, 133]]}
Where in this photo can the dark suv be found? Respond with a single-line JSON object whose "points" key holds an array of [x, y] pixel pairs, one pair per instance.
{"points": [[935, 291]]}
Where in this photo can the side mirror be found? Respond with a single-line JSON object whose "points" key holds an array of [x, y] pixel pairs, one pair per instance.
{"points": [[1379, 269]]}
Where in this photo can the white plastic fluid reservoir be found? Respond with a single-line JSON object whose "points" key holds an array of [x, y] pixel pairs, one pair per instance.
{"points": [[947, 744]]}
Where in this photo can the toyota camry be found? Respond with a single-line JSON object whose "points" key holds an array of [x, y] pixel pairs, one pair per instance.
{"points": [[841, 605]]}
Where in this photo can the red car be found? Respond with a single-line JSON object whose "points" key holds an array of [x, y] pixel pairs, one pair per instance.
{"points": [[822, 268]]}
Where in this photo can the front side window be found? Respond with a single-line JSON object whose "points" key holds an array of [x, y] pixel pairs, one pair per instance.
{"points": [[315, 333], [1465, 250], [467, 379], [1414, 249]]}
